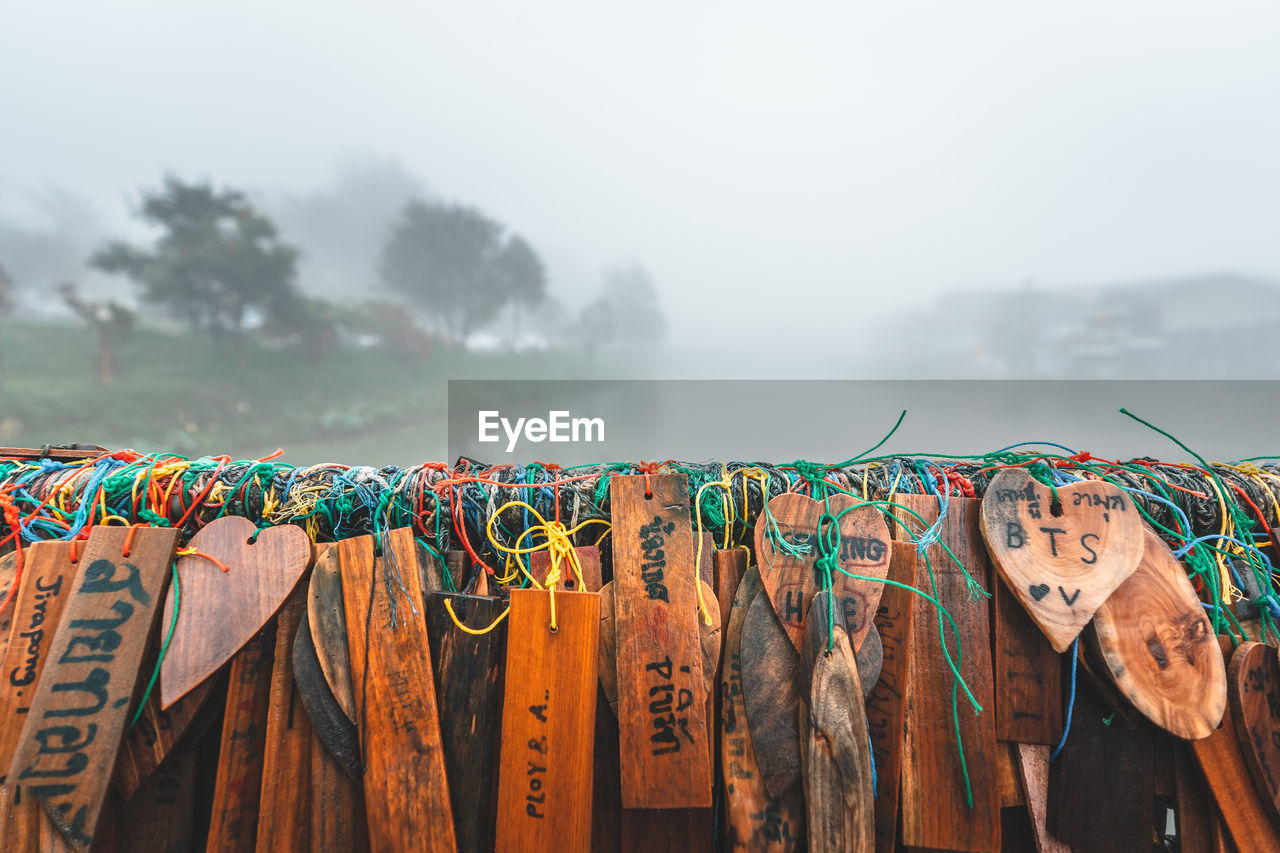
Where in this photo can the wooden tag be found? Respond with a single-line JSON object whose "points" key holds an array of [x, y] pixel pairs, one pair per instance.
{"points": [[1028, 674], [834, 748], [1255, 706], [588, 561], [1060, 567], [886, 703], [548, 722], [1033, 774], [328, 621], [1196, 818], [934, 810], [792, 581], [870, 660], [8, 577], [68, 745], [661, 693], [285, 801], [221, 611], [237, 788], [771, 691], [47, 579], [337, 805], [468, 670], [406, 792], [158, 817], [332, 727], [1159, 649]]}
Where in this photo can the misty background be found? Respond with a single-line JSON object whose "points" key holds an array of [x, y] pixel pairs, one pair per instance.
{"points": [[746, 190]]}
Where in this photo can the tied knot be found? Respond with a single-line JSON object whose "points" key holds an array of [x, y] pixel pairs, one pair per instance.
{"points": [[154, 519], [809, 471]]}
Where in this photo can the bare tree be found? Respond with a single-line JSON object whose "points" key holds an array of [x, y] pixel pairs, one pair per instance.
{"points": [[110, 318]]}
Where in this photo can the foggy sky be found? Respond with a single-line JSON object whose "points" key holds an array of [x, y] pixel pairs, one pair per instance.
{"points": [[769, 162]]}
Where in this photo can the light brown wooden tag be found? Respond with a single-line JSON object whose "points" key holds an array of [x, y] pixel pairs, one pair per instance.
{"points": [[792, 581], [1158, 647], [1255, 706], [834, 748], [68, 745], [328, 622], [1033, 774], [1060, 567], [548, 722], [47, 579], [406, 792], [661, 691], [771, 690], [221, 611]]}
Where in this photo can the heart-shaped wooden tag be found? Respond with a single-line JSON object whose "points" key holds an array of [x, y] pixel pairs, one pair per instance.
{"points": [[791, 580], [1254, 681], [1158, 646], [1061, 561], [221, 611]]}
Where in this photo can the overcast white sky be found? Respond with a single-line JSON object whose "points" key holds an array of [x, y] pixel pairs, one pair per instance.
{"points": [[760, 158]]}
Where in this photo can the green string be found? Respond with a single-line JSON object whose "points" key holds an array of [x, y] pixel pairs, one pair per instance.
{"points": [[164, 648]]}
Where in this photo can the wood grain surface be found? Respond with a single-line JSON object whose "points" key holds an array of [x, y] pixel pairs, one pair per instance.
{"points": [[285, 802]]}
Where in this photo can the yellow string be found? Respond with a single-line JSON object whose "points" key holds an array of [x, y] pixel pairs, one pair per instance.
{"points": [[1229, 592], [448, 605]]}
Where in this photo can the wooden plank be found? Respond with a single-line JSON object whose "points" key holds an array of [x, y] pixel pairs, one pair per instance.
{"points": [[834, 747], [334, 729], [327, 619], [237, 787], [544, 781], [661, 692], [934, 810], [1255, 708], [886, 703], [729, 565], [666, 830], [468, 670], [1240, 804], [159, 815], [1194, 806], [1033, 775], [222, 610], [1007, 781], [285, 801], [1028, 675], [406, 791], [56, 452], [606, 780], [771, 693], [8, 577], [1102, 785], [337, 806], [68, 746], [47, 579], [588, 562], [157, 732]]}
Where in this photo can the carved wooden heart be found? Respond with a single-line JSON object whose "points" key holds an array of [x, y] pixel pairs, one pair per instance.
{"points": [[1081, 555], [791, 581], [221, 611], [1159, 648]]}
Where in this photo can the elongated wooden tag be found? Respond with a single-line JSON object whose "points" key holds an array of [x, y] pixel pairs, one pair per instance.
{"points": [[337, 805], [285, 802], [68, 745], [328, 620], [468, 670], [233, 823], [221, 611], [1028, 674], [771, 691], [1255, 707], [1060, 566], [754, 820], [1158, 647], [661, 692], [834, 748], [548, 721], [934, 810], [406, 791], [1033, 774], [886, 703], [792, 580], [159, 816], [47, 579]]}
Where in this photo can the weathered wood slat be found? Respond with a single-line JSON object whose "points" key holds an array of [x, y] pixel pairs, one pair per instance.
{"points": [[934, 811], [333, 728], [588, 563], [1027, 670], [327, 619], [771, 692], [159, 815], [1033, 774], [1194, 807], [337, 806], [406, 791]]}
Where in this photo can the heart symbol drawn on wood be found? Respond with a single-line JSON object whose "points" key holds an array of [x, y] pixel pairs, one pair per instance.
{"points": [[1089, 543], [792, 581], [1039, 590], [221, 611]]}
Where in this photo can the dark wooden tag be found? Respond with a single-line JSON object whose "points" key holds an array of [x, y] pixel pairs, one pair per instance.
{"points": [[233, 821], [406, 791], [1196, 821], [548, 722], [68, 746], [771, 691], [934, 810], [468, 670], [834, 748], [754, 820], [221, 611], [331, 726], [159, 815], [1061, 562], [1158, 647], [661, 692], [791, 581], [886, 703], [870, 660], [328, 620], [284, 806], [1028, 674], [1255, 707], [47, 580]]}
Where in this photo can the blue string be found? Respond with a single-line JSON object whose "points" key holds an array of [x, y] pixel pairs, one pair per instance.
{"points": [[1071, 701], [871, 751]]}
